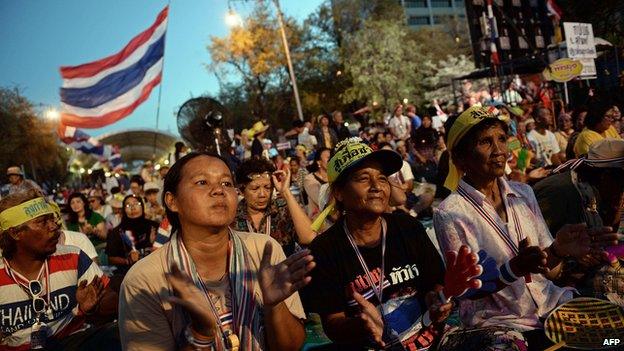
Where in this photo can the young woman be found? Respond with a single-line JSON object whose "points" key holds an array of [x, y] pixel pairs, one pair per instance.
{"points": [[211, 286], [83, 219], [132, 238]]}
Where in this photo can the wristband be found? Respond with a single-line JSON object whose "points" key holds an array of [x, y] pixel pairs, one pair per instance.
{"points": [[199, 341], [506, 275]]}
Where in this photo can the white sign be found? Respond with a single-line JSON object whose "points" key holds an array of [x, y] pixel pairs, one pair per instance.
{"points": [[589, 68], [579, 40]]}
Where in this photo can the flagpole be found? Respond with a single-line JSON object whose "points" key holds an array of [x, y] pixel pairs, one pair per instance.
{"points": [[162, 74]]}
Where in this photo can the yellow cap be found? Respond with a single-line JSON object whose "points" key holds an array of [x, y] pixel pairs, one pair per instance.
{"points": [[352, 151], [464, 123]]}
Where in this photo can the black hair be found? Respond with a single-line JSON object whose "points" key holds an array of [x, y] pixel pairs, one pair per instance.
{"points": [[295, 158], [137, 179], [384, 144], [173, 178], [115, 190], [596, 113], [465, 145], [254, 165], [124, 216], [297, 123], [178, 149], [73, 216], [313, 167]]}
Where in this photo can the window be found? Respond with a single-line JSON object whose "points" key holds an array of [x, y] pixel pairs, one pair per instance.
{"points": [[459, 3], [415, 3], [441, 3], [418, 20]]}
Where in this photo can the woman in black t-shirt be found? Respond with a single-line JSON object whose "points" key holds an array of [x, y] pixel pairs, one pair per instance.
{"points": [[369, 257], [132, 238]]}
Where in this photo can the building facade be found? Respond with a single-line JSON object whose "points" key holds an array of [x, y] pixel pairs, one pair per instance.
{"points": [[422, 13]]}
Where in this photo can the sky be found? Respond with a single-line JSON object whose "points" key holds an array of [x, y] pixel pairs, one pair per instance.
{"points": [[39, 36]]}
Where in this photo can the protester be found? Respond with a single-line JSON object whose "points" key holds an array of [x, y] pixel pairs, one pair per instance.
{"points": [[376, 273], [183, 295], [136, 186], [132, 239], [298, 175], [425, 141], [82, 219], [17, 183], [180, 150], [487, 212], [325, 134], [281, 218], [598, 125], [147, 172], [259, 131], [316, 177], [153, 209], [47, 289], [565, 130], [341, 130], [114, 218], [415, 120], [98, 205], [400, 125], [543, 141]]}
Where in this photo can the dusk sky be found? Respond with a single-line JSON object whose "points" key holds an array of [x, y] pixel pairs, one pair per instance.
{"points": [[40, 36]]}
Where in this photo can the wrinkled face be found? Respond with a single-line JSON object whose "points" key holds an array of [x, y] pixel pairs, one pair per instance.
{"points": [[135, 188], [39, 236], [366, 192], [77, 204], [206, 195], [258, 192], [14, 179], [488, 156], [133, 208]]}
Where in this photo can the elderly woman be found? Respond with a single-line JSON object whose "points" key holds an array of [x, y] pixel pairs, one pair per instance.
{"points": [[282, 217], [487, 212], [211, 287], [375, 269]]}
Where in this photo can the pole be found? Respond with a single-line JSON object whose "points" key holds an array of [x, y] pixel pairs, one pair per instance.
{"points": [[161, 77], [565, 90], [290, 67]]}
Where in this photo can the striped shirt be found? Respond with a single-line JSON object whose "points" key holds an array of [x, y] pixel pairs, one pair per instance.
{"points": [[67, 266], [466, 218]]}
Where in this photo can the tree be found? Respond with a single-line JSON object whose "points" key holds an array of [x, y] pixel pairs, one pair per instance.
{"points": [[29, 140], [383, 64], [438, 82], [254, 54]]}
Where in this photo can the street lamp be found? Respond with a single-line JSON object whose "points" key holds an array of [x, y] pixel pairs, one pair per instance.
{"points": [[52, 115], [280, 20], [233, 19]]}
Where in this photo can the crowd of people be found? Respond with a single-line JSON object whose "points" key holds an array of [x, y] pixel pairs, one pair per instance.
{"points": [[495, 212]]}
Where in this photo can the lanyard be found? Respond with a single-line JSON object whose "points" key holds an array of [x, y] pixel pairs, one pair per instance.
{"points": [[267, 227], [24, 283], [377, 290], [229, 338], [491, 221]]}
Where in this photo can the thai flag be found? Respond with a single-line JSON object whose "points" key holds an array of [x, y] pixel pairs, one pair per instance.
{"points": [[495, 59], [83, 142], [102, 92], [554, 10]]}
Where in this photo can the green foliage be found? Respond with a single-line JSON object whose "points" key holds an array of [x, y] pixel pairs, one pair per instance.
{"points": [[437, 82], [29, 140], [383, 63]]}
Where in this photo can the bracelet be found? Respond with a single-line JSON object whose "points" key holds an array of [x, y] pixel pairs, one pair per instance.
{"points": [[506, 274], [199, 341]]}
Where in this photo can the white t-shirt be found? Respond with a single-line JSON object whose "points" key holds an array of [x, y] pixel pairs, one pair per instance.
{"points": [[544, 146], [400, 126], [80, 241]]}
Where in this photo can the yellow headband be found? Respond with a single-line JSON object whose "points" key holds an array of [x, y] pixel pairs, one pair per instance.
{"points": [[24, 212], [466, 121]]}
